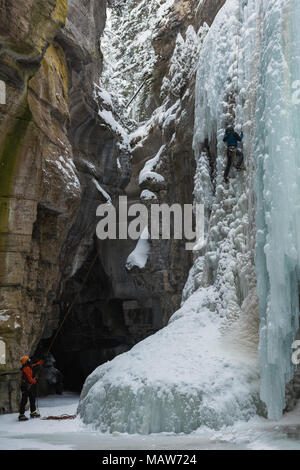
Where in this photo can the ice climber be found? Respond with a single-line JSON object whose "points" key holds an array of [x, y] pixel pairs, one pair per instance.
{"points": [[232, 138], [28, 388]]}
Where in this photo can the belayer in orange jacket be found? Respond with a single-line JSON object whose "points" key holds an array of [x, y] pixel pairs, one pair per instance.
{"points": [[28, 388]]}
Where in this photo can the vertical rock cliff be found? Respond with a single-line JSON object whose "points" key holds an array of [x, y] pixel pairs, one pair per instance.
{"points": [[54, 149], [36, 162]]}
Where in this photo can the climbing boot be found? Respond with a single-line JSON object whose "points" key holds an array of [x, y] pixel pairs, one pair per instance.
{"points": [[35, 414], [23, 418], [226, 180]]}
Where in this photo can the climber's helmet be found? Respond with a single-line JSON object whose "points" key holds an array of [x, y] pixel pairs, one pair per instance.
{"points": [[24, 360], [229, 129]]}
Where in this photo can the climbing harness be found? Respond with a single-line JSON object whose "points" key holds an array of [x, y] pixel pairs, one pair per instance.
{"points": [[232, 150], [233, 153], [234, 156]]}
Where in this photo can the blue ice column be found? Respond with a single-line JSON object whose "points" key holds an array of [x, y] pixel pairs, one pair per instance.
{"points": [[277, 189]]}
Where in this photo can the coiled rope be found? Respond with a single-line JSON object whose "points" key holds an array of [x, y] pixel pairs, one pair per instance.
{"points": [[59, 418]]}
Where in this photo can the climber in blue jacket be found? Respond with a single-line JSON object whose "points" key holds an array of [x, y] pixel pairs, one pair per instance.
{"points": [[232, 138]]}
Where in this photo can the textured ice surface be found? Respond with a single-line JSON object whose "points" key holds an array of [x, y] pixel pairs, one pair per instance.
{"points": [[36, 434], [183, 376], [278, 197], [262, 56], [202, 368]]}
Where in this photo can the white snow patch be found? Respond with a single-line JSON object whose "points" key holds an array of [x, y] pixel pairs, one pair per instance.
{"points": [[3, 316], [140, 254], [66, 167], [104, 96], [148, 195], [257, 433], [109, 119], [102, 191], [176, 380], [147, 172]]}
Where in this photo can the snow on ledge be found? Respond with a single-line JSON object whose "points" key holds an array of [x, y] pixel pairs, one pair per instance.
{"points": [[101, 190], [140, 254], [148, 195], [148, 173]]}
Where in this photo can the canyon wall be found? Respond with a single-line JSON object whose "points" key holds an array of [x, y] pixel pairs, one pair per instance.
{"points": [[60, 158], [44, 50]]}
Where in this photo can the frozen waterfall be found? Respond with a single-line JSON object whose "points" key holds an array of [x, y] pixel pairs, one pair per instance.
{"points": [[277, 185], [203, 367]]}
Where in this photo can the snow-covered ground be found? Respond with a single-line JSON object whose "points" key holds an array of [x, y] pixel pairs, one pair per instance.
{"points": [[258, 433]]}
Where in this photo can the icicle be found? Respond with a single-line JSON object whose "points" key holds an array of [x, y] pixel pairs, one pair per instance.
{"points": [[278, 198]]}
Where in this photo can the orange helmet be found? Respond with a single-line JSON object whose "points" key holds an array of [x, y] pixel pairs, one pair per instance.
{"points": [[24, 359]]}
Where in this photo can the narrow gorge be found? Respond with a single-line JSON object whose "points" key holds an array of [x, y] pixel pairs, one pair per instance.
{"points": [[107, 100]]}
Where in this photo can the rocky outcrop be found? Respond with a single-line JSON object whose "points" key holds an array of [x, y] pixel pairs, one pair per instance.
{"points": [[33, 207], [49, 77], [183, 14], [170, 133]]}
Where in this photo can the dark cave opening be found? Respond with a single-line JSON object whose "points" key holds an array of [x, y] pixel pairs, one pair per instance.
{"points": [[93, 334], [98, 328]]}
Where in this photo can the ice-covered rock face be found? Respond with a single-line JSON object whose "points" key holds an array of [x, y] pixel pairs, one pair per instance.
{"points": [[202, 369], [277, 188], [183, 376]]}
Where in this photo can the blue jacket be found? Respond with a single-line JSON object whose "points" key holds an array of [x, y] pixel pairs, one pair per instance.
{"points": [[232, 139]]}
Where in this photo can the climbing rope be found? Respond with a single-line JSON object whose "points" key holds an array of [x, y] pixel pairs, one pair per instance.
{"points": [[65, 416], [238, 49], [73, 303], [59, 418], [239, 103], [135, 95]]}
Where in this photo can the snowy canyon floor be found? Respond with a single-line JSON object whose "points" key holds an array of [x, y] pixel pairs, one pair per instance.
{"points": [[257, 434]]}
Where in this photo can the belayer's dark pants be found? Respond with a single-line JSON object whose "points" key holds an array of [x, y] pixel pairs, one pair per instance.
{"points": [[230, 156], [29, 393]]}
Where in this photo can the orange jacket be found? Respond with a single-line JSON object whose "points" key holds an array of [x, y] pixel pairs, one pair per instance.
{"points": [[27, 372]]}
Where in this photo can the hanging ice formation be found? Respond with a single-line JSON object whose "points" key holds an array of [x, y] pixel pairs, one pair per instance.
{"points": [[277, 185]]}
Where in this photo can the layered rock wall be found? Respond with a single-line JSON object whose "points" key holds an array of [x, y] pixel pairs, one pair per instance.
{"points": [[30, 180], [48, 71]]}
